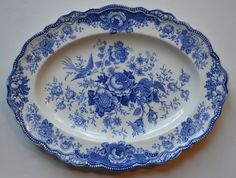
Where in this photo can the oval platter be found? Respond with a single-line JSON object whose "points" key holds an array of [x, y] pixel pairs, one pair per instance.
{"points": [[117, 87]]}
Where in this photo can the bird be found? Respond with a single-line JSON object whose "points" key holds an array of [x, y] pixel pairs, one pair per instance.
{"points": [[81, 72]]}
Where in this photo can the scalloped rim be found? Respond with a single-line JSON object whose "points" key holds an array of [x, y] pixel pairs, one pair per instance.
{"points": [[174, 153]]}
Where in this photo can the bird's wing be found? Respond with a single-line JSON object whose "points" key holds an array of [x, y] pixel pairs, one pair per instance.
{"points": [[81, 74]]}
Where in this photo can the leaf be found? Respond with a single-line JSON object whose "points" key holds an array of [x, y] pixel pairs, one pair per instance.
{"points": [[91, 96], [126, 73], [100, 55], [102, 78], [137, 111], [159, 85], [145, 82], [98, 64], [124, 100], [155, 97]]}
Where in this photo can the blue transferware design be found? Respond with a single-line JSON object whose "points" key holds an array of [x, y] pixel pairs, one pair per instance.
{"points": [[83, 72], [130, 92], [188, 44], [45, 130], [111, 95]]}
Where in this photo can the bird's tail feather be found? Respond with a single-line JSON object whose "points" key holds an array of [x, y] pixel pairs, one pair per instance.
{"points": [[68, 64]]}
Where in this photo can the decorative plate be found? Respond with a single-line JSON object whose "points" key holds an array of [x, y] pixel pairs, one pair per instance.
{"points": [[117, 87]]}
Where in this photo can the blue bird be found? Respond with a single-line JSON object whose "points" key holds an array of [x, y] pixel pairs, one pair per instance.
{"points": [[81, 72]]}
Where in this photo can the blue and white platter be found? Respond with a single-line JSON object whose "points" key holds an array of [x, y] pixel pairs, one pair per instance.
{"points": [[117, 87]]}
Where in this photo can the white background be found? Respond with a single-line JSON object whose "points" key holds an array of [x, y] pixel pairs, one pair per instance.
{"points": [[214, 157]]}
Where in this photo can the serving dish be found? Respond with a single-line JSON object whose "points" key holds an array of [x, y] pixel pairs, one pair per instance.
{"points": [[117, 87]]}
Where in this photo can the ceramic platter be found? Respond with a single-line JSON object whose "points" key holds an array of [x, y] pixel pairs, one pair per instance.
{"points": [[117, 87]]}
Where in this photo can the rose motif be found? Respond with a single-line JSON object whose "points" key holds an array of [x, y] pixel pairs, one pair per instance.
{"points": [[167, 144], [168, 29], [137, 126], [172, 87], [117, 21], [79, 120], [46, 131], [119, 83], [70, 94], [103, 100], [61, 105], [202, 116], [184, 77], [185, 94], [66, 144], [142, 91], [118, 53], [152, 117], [117, 153], [46, 46], [188, 43], [56, 90], [67, 30], [188, 129]]}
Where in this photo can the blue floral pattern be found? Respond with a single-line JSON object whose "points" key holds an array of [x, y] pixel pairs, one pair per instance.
{"points": [[125, 94], [103, 100], [46, 46], [118, 53], [63, 97], [46, 130], [189, 128], [117, 22], [115, 153], [187, 41], [215, 85], [19, 88], [118, 94]]}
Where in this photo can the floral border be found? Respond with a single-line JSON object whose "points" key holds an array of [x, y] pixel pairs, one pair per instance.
{"points": [[139, 154]]}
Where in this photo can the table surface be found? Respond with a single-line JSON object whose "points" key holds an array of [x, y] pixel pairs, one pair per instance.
{"points": [[212, 157]]}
